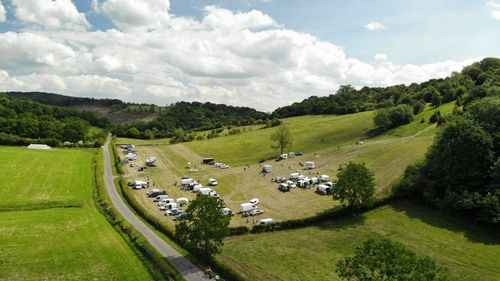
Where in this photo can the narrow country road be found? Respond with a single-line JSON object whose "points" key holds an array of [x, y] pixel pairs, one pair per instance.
{"points": [[184, 266]]}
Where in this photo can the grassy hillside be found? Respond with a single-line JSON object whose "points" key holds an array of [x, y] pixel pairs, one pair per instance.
{"points": [[310, 253], [310, 133], [416, 126], [32, 177], [57, 243]]}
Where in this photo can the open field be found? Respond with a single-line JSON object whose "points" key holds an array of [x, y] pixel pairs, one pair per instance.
{"points": [[74, 243], [311, 253], [310, 133], [387, 156], [55, 177], [64, 244]]}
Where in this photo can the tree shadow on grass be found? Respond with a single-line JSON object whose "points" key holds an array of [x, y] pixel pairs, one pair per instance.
{"points": [[349, 221], [475, 232]]}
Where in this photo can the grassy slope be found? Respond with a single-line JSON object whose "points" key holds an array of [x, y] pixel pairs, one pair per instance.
{"points": [[310, 253], [32, 177], [57, 243], [310, 133], [416, 126]]}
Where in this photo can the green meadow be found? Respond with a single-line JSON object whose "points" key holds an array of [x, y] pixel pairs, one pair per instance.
{"points": [[64, 237]]}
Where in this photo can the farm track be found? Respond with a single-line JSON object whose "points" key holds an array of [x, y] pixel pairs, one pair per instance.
{"points": [[184, 266]]}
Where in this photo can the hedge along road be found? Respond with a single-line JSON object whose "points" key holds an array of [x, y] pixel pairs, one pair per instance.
{"points": [[184, 266]]}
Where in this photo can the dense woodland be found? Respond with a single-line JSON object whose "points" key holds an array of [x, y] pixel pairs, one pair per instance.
{"points": [[26, 121], [190, 116], [459, 86], [461, 171]]}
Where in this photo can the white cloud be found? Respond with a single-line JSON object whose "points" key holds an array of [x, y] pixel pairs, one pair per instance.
{"points": [[238, 58], [133, 14], [3, 13], [372, 26], [494, 9], [50, 14], [380, 57]]}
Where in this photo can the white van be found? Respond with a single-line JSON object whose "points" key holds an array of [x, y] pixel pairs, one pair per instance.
{"points": [[265, 221]]}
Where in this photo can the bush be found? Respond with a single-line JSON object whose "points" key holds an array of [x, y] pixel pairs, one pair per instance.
{"points": [[386, 119]]}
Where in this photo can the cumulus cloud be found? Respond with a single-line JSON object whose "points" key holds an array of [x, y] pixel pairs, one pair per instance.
{"points": [[49, 14], [372, 26], [238, 58], [3, 13], [133, 14], [494, 9]]}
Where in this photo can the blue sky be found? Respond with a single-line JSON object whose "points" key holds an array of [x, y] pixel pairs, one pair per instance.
{"points": [[259, 53], [417, 31]]}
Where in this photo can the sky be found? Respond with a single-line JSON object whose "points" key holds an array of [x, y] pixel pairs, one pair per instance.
{"points": [[257, 53]]}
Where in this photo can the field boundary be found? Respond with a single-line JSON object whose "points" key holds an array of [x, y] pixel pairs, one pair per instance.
{"points": [[158, 267]]}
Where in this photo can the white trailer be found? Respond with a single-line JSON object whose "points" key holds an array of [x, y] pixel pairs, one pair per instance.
{"points": [[294, 176], [323, 189], [197, 187], [205, 190], [267, 168], [182, 201], [171, 206], [186, 181], [247, 207], [309, 165], [324, 178]]}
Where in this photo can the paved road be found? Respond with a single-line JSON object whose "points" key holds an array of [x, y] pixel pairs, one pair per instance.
{"points": [[184, 266]]}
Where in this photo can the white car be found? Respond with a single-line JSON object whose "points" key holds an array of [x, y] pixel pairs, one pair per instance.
{"points": [[212, 182], [213, 194], [255, 212]]}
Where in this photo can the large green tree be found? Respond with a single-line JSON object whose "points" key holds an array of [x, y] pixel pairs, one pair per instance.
{"points": [[282, 139], [383, 259], [206, 225], [355, 185]]}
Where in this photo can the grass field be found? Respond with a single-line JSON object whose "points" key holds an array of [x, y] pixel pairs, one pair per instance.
{"points": [[57, 243], [64, 244], [311, 253], [310, 133], [57, 177]]}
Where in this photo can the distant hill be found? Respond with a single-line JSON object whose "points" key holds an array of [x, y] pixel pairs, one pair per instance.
{"points": [[24, 121], [115, 110], [347, 99]]}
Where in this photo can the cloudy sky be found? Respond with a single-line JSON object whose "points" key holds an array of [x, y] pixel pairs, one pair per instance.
{"points": [[258, 53]]}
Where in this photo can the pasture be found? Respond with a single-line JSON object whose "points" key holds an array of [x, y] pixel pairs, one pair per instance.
{"points": [[310, 253], [71, 243], [32, 178], [64, 244], [310, 134]]}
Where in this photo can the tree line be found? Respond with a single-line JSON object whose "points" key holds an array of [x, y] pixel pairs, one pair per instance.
{"points": [[191, 116], [461, 86], [27, 121]]}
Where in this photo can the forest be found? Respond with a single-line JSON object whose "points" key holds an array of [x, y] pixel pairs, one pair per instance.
{"points": [[26, 121]]}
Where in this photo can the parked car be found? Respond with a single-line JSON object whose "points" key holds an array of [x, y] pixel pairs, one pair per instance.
{"points": [[181, 216], [261, 161], [299, 153], [172, 212], [212, 182], [255, 212]]}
